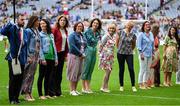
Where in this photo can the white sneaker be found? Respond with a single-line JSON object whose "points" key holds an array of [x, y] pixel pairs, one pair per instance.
{"points": [[105, 90], [177, 82], [78, 92], [121, 89], [84, 91], [89, 91], [102, 89], [6, 50], [134, 89], [73, 93]]}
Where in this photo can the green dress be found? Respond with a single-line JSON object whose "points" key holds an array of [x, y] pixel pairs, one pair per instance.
{"points": [[90, 52], [170, 63]]}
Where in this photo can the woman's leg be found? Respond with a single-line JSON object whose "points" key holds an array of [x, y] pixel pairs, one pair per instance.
{"points": [[42, 70], [129, 60], [169, 74], [121, 61], [106, 79], [141, 72], [72, 86]]}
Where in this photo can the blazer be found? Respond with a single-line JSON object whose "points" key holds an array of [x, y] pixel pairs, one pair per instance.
{"points": [[58, 40], [12, 32]]}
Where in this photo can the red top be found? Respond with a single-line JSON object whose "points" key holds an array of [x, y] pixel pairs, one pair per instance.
{"points": [[156, 42], [58, 40]]}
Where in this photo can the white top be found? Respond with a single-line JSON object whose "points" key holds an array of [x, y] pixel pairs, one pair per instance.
{"points": [[63, 39]]}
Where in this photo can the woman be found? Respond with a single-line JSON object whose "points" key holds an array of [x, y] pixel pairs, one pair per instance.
{"points": [[92, 35], [170, 55], [48, 60], [145, 45], [155, 66], [32, 57], [125, 42], [75, 57], [178, 72], [60, 37], [106, 51]]}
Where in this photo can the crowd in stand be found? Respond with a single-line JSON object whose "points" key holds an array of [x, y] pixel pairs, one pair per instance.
{"points": [[134, 10]]}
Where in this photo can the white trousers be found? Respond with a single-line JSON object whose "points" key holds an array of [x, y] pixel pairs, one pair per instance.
{"points": [[178, 73], [144, 72]]}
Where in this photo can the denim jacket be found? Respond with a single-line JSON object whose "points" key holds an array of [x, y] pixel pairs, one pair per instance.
{"points": [[145, 44], [32, 42], [75, 44], [45, 44]]}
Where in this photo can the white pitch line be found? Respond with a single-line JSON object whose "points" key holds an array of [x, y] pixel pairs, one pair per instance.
{"points": [[97, 93], [152, 97]]}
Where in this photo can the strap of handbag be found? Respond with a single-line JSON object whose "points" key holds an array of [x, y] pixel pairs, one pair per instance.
{"points": [[16, 59]]}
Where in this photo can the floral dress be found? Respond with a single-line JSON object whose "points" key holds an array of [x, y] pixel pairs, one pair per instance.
{"points": [[170, 63], [106, 52]]}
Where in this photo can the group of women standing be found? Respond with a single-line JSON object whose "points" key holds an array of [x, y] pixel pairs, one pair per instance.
{"points": [[50, 48]]}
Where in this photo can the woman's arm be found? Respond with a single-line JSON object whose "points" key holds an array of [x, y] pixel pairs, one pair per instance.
{"points": [[117, 40]]}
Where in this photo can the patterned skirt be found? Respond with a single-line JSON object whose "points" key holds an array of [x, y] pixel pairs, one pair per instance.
{"points": [[28, 77], [106, 60], [74, 67], [170, 64]]}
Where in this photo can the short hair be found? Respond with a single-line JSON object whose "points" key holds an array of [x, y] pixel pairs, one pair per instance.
{"points": [[31, 21], [48, 27], [112, 25], [129, 23], [76, 24], [99, 21], [142, 28], [18, 15], [57, 21], [155, 29]]}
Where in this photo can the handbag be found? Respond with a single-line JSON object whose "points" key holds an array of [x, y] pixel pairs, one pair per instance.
{"points": [[16, 67]]}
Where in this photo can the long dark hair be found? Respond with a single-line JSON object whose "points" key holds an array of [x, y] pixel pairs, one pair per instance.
{"points": [[99, 21], [142, 28], [31, 21], [175, 35], [58, 19], [48, 27]]}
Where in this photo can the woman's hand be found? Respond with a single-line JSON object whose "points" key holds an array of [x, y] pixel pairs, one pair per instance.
{"points": [[142, 56], [29, 60], [56, 62], [164, 56], [43, 62], [82, 56]]}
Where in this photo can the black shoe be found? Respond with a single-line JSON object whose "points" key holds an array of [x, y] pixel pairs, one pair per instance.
{"points": [[17, 101], [58, 94], [13, 102]]}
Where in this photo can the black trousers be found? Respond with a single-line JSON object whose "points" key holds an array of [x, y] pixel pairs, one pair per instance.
{"points": [[121, 60], [46, 74], [15, 82], [157, 74], [58, 73]]}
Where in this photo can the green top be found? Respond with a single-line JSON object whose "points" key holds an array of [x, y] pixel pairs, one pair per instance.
{"points": [[50, 54], [92, 40], [170, 42]]}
